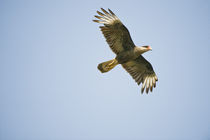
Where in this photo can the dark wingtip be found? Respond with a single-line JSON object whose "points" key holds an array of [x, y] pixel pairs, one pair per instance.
{"points": [[96, 21], [151, 88], [147, 90], [97, 17], [142, 90], [104, 11], [111, 11]]}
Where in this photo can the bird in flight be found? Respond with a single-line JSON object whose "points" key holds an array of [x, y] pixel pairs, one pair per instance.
{"points": [[127, 53]]}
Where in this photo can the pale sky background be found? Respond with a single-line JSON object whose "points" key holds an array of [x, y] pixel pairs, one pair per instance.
{"points": [[50, 88]]}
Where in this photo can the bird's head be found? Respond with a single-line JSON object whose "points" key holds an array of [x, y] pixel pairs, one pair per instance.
{"points": [[144, 49]]}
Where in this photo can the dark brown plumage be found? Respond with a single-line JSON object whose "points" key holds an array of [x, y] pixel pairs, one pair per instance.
{"points": [[127, 54]]}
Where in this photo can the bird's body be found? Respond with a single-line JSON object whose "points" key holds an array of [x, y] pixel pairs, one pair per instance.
{"points": [[127, 54]]}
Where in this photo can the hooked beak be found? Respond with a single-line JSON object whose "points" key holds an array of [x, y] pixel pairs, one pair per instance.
{"points": [[149, 48]]}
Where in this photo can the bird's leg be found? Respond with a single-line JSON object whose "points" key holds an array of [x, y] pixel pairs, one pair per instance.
{"points": [[112, 64]]}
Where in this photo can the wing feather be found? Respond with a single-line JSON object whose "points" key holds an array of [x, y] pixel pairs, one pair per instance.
{"points": [[142, 72], [147, 89], [151, 85], [144, 84], [116, 34], [112, 13]]}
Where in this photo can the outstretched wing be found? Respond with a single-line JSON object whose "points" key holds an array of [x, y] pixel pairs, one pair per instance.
{"points": [[142, 72], [116, 34]]}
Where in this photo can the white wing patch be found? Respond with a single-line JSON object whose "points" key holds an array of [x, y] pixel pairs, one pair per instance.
{"points": [[107, 18], [149, 82]]}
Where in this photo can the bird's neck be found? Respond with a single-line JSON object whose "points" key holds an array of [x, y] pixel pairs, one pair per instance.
{"points": [[139, 50]]}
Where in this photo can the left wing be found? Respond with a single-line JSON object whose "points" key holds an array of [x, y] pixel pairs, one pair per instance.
{"points": [[142, 72]]}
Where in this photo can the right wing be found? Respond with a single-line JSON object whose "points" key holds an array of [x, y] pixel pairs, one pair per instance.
{"points": [[116, 34]]}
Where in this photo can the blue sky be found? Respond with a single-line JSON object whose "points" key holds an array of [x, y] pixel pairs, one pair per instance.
{"points": [[50, 88]]}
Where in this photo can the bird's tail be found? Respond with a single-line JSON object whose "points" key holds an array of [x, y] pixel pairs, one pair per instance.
{"points": [[108, 65]]}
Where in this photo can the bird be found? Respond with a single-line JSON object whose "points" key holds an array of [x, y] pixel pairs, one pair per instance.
{"points": [[127, 53]]}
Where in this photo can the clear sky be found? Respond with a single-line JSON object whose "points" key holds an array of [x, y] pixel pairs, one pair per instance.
{"points": [[50, 88]]}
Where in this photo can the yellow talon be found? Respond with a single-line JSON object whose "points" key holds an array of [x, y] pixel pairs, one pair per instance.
{"points": [[108, 65]]}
